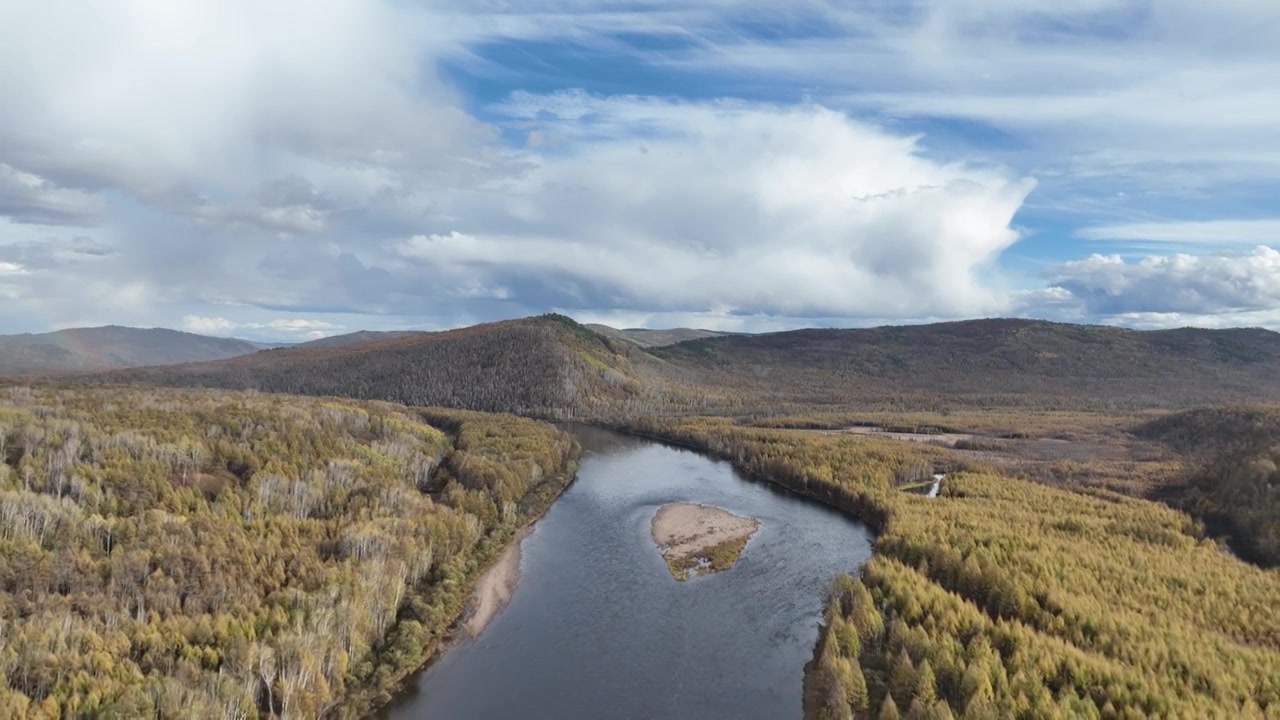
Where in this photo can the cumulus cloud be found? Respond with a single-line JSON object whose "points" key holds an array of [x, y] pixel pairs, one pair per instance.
{"points": [[787, 211], [206, 325], [1172, 285]]}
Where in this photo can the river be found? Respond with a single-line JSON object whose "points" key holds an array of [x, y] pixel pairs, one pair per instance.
{"points": [[597, 628]]}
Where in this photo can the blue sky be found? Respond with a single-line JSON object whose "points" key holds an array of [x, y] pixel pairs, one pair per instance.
{"points": [[225, 168]]}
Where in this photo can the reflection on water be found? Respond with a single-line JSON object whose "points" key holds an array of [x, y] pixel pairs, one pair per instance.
{"points": [[597, 627]]}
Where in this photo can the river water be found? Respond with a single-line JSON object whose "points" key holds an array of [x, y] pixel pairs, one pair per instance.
{"points": [[597, 628]]}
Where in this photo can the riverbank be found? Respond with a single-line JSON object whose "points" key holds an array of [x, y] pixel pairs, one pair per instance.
{"points": [[493, 590], [729, 646], [699, 539], [486, 582], [952, 572]]}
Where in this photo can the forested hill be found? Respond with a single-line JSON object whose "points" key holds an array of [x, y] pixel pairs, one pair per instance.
{"points": [[546, 366], [550, 366], [1006, 360], [103, 348]]}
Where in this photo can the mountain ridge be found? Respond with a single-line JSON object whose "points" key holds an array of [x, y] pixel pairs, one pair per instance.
{"points": [[109, 347], [552, 366]]}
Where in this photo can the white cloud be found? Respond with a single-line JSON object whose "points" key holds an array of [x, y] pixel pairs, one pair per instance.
{"points": [[207, 325], [790, 211], [1111, 287], [290, 328], [190, 106], [229, 163], [1218, 320], [294, 325], [1201, 232]]}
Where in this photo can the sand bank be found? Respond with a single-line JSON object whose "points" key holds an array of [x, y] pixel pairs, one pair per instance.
{"points": [[493, 590], [700, 539]]}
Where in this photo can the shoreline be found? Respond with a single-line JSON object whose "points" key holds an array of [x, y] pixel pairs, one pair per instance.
{"points": [[447, 636], [492, 591]]}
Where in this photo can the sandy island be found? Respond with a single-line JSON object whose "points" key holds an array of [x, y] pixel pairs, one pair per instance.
{"points": [[699, 539], [493, 590]]}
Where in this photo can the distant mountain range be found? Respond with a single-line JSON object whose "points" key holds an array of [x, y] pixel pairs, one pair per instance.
{"points": [[114, 347], [551, 366], [105, 348]]}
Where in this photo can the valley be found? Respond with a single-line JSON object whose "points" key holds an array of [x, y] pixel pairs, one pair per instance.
{"points": [[1100, 544]]}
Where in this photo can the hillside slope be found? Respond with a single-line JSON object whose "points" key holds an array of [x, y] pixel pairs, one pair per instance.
{"points": [[992, 362], [112, 346], [546, 366]]}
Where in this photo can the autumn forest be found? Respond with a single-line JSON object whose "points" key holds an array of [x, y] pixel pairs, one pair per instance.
{"points": [[293, 532]]}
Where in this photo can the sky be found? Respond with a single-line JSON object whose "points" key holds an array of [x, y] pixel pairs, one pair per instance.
{"points": [[289, 170]]}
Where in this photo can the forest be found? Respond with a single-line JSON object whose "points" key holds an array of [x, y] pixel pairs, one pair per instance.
{"points": [[235, 555], [1009, 598], [1043, 582], [1230, 479]]}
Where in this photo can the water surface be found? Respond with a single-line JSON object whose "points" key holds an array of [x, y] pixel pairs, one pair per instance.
{"points": [[597, 627]]}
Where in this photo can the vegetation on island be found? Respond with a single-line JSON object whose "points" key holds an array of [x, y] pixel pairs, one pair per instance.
{"points": [[1010, 598], [210, 554], [712, 559]]}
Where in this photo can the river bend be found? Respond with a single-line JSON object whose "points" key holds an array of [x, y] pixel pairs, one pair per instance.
{"points": [[597, 628]]}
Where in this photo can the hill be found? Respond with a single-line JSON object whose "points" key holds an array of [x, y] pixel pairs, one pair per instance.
{"points": [[546, 366], [646, 338], [991, 362], [550, 366], [112, 346]]}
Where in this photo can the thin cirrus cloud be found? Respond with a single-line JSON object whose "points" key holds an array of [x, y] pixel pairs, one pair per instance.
{"points": [[224, 168], [1210, 232]]}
